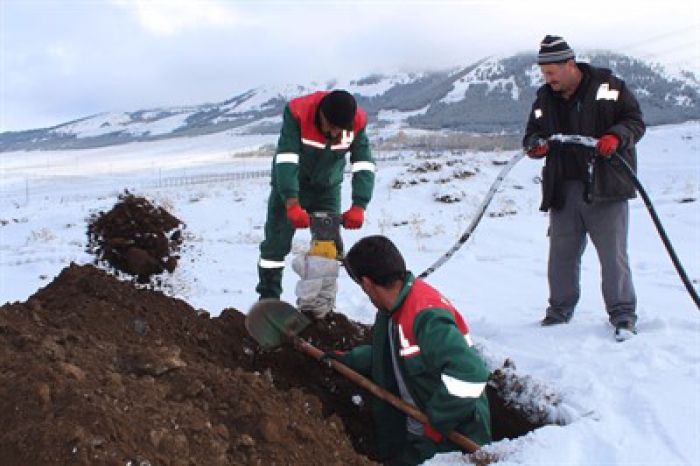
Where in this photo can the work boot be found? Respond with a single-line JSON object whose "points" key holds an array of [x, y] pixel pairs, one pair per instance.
{"points": [[548, 321], [624, 330], [270, 283]]}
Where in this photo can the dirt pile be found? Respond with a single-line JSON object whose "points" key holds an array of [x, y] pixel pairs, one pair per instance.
{"points": [[135, 237], [96, 371]]}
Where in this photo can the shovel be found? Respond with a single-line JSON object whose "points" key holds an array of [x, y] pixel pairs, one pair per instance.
{"points": [[272, 322]]}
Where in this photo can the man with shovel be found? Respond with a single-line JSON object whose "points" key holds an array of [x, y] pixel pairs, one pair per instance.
{"points": [[422, 352], [318, 130]]}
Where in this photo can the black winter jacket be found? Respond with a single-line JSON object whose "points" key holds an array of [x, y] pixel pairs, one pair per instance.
{"points": [[606, 107]]}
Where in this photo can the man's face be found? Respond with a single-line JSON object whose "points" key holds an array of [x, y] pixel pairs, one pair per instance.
{"points": [[330, 131], [370, 290], [559, 76]]}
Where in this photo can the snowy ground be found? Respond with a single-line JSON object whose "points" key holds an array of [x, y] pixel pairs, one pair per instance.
{"points": [[636, 402]]}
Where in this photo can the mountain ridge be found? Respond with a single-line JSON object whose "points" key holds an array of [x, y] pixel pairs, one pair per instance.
{"points": [[492, 95]]}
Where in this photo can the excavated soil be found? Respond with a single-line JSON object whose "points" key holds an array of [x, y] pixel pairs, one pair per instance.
{"points": [[99, 370], [96, 371], [135, 237]]}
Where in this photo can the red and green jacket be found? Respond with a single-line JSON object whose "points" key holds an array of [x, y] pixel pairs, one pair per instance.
{"points": [[306, 160], [442, 371]]}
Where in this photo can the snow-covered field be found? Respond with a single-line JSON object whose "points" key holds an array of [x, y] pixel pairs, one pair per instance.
{"points": [[636, 402]]}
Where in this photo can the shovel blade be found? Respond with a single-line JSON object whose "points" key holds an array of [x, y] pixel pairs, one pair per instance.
{"points": [[271, 321]]}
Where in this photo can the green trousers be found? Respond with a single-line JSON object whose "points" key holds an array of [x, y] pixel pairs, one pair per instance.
{"points": [[279, 234]]}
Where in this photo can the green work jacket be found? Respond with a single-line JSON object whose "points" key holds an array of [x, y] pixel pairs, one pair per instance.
{"points": [[306, 160], [442, 371]]}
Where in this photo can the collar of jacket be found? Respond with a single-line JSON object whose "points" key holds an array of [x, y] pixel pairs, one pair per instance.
{"points": [[407, 285]]}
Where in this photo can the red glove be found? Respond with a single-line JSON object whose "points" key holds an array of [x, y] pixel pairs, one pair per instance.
{"points": [[329, 356], [298, 217], [607, 145], [431, 433], [353, 218], [540, 150]]}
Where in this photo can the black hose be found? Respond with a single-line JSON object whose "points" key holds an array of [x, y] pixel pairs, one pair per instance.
{"points": [[587, 142], [659, 227], [475, 221]]}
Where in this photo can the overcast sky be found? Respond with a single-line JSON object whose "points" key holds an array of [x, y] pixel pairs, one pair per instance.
{"points": [[61, 60]]}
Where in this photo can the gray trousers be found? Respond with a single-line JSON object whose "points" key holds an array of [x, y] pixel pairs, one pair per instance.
{"points": [[607, 224]]}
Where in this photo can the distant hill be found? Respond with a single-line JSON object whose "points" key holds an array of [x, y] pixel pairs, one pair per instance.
{"points": [[493, 95]]}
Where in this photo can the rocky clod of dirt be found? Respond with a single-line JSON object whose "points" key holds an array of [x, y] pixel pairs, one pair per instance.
{"points": [[135, 237], [94, 370]]}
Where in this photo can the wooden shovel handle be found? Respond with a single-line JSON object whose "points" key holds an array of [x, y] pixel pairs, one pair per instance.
{"points": [[306, 347]]}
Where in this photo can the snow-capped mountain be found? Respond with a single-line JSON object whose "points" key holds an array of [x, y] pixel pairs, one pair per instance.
{"points": [[493, 95]]}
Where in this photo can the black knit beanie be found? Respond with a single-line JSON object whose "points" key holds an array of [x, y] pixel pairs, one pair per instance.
{"points": [[554, 49], [339, 108]]}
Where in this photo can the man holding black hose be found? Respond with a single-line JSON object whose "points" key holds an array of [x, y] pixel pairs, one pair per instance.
{"points": [[585, 191]]}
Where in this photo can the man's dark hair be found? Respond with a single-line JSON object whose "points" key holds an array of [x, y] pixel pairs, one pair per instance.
{"points": [[376, 258], [339, 108]]}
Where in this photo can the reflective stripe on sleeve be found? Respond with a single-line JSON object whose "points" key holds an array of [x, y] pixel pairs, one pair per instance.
{"points": [[461, 388], [287, 157], [538, 113], [268, 264], [360, 166]]}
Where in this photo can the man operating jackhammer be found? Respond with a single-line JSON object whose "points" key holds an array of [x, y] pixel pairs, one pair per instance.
{"points": [[318, 130]]}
